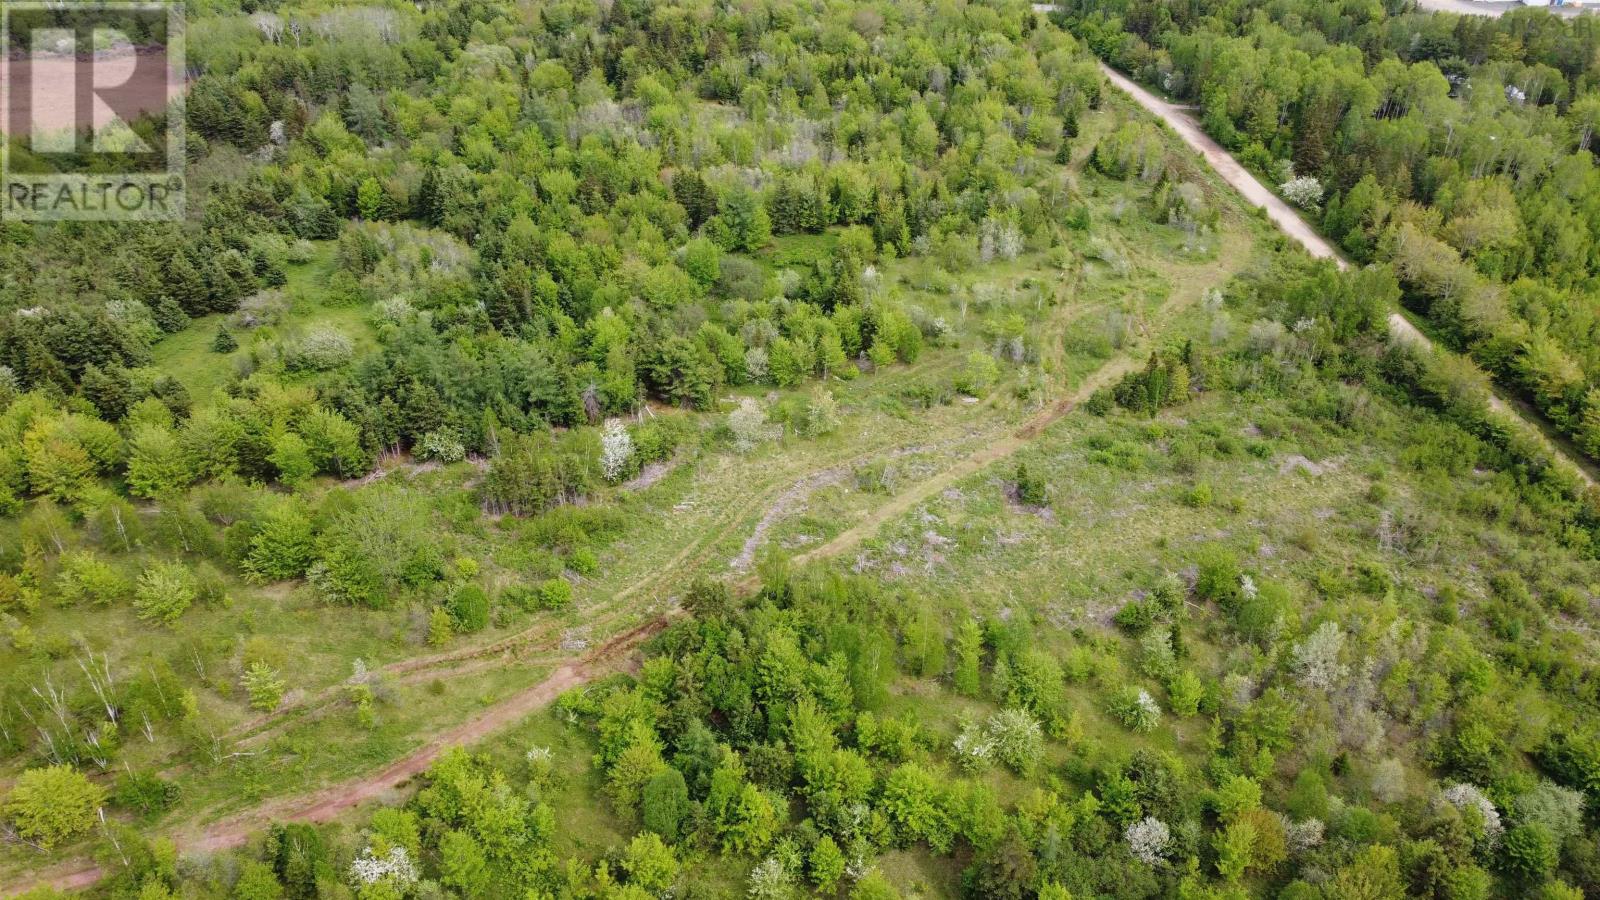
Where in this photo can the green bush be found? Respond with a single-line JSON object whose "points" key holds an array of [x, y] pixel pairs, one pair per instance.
{"points": [[554, 593], [1198, 496], [1031, 488], [51, 805], [583, 561], [1530, 853], [145, 793], [165, 590], [1135, 617], [468, 608]]}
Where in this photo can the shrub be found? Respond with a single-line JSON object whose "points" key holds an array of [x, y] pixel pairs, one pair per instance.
{"points": [[145, 793], [1530, 852], [1184, 693], [1316, 659], [821, 415], [51, 805], [263, 308], [749, 425], [554, 593], [440, 630], [978, 375], [583, 561], [469, 608], [282, 546], [165, 590], [84, 576], [1198, 496], [442, 444], [1218, 576], [319, 351], [1031, 488], [157, 465], [1017, 739], [651, 865], [1136, 617], [1558, 809]]}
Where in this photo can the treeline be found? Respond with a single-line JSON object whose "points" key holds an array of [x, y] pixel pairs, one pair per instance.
{"points": [[1462, 148]]}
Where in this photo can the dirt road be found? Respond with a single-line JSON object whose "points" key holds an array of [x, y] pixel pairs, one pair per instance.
{"points": [[1289, 221], [1236, 175]]}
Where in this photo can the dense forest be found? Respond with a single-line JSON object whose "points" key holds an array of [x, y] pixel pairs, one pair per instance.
{"points": [[1461, 150], [999, 509]]}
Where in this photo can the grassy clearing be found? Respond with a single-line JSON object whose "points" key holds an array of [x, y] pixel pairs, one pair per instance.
{"points": [[187, 355]]}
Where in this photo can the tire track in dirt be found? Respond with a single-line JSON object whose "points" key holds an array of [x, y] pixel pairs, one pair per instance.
{"points": [[327, 803], [1189, 292], [547, 636]]}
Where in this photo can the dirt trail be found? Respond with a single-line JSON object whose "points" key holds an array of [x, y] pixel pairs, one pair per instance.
{"points": [[970, 465], [1188, 292], [328, 803]]}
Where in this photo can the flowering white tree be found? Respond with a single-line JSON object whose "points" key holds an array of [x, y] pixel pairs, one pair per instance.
{"points": [[394, 867], [1149, 710], [443, 444], [999, 239], [973, 748], [756, 364], [1017, 738], [1304, 835], [821, 414], [1465, 796], [320, 350], [1148, 839], [749, 425], [1389, 780], [1136, 709], [1316, 659], [770, 880], [616, 450], [1304, 191]]}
